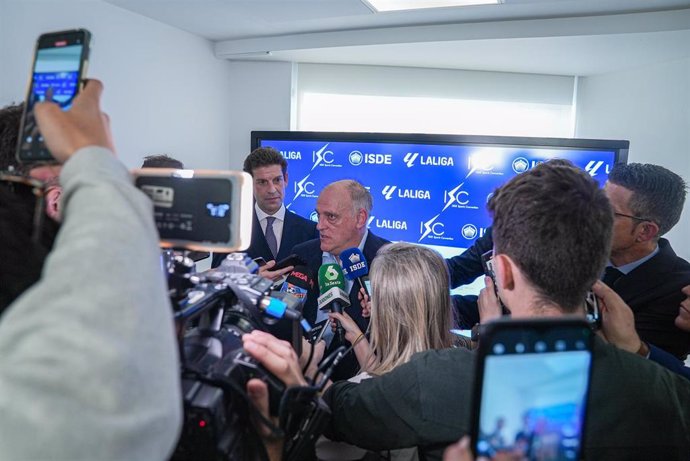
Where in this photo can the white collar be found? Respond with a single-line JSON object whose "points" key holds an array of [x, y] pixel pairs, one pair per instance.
{"points": [[261, 214]]}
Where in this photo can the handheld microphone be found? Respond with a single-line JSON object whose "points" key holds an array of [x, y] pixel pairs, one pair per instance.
{"points": [[355, 266], [333, 296], [298, 283]]}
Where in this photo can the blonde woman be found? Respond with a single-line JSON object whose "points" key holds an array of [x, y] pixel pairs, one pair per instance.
{"points": [[410, 313]]}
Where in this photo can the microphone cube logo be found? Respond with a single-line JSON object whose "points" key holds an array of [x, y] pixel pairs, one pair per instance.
{"points": [[331, 274], [354, 258]]}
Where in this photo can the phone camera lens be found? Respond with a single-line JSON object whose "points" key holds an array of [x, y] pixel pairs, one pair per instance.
{"points": [[499, 349], [540, 346], [519, 348], [560, 345]]}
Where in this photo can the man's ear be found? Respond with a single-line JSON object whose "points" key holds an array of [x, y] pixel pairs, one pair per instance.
{"points": [[285, 178], [504, 271], [361, 218], [52, 199], [646, 231]]}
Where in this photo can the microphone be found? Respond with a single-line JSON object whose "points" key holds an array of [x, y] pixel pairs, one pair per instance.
{"points": [[333, 296], [355, 266], [298, 283]]}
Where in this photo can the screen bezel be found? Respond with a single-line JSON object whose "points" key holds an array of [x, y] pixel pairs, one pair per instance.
{"points": [[46, 41], [536, 327], [620, 147]]}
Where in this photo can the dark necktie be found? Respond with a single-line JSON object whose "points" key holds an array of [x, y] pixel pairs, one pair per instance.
{"points": [[611, 276], [271, 236]]}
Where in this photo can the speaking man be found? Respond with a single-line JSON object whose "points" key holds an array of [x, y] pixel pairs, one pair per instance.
{"points": [[275, 230], [343, 208], [543, 217]]}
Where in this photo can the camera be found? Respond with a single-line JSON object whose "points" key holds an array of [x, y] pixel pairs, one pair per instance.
{"points": [[208, 211]]}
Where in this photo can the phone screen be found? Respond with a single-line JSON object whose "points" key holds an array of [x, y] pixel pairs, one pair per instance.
{"points": [[57, 71], [534, 389]]}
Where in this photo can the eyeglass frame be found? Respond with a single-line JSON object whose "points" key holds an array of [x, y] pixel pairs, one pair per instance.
{"points": [[637, 218], [38, 188]]}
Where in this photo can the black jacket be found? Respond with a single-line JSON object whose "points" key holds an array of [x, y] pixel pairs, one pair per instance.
{"points": [[296, 230]]}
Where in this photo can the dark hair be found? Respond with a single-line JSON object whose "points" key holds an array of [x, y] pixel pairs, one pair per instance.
{"points": [[556, 224], [10, 119], [264, 156], [658, 194], [22, 258], [162, 161]]}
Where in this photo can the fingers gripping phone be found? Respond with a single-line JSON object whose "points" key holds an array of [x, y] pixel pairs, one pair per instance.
{"points": [[58, 69], [531, 389]]}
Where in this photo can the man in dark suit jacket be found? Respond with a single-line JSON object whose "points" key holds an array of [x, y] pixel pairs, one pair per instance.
{"points": [[343, 209], [275, 230], [644, 270]]}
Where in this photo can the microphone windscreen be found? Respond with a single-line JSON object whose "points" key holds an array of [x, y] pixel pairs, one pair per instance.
{"points": [[354, 263], [330, 275]]}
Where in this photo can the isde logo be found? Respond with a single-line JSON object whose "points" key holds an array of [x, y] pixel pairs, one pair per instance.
{"points": [[520, 165], [470, 231], [356, 158], [314, 216]]}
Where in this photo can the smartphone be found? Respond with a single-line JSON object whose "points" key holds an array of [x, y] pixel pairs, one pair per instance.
{"points": [[199, 210], [488, 266], [531, 389], [260, 261], [292, 260], [57, 72]]}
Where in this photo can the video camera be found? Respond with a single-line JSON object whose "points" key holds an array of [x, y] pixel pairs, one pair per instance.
{"points": [[211, 211]]}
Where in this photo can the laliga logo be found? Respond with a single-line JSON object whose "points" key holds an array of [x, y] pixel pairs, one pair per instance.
{"points": [[410, 158], [593, 166], [354, 258], [456, 195], [322, 155], [356, 158], [217, 211], [303, 187], [430, 226], [469, 231], [314, 216], [520, 165], [371, 219], [388, 191]]}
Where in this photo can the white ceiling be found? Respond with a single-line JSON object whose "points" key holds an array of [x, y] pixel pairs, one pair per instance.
{"points": [[563, 37]]}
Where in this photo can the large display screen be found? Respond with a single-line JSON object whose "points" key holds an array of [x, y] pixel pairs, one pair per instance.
{"points": [[427, 189]]}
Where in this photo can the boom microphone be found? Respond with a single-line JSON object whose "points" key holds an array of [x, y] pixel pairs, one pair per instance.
{"points": [[333, 296], [355, 266]]}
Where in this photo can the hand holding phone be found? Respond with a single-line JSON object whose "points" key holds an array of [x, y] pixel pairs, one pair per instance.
{"points": [[58, 69], [545, 408], [292, 260]]}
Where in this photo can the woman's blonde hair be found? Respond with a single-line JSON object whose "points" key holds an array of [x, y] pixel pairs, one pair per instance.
{"points": [[410, 305]]}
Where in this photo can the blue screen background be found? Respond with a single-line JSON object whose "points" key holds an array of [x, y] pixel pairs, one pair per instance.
{"points": [[429, 194]]}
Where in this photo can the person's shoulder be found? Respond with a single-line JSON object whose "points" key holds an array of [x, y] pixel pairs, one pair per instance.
{"points": [[307, 247], [666, 252]]}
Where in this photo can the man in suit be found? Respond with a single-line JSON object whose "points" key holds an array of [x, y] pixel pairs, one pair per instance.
{"points": [[275, 230], [643, 269], [343, 208]]}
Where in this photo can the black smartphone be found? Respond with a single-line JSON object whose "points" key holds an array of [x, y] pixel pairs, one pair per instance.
{"points": [[292, 260], [531, 389], [260, 261], [58, 70]]}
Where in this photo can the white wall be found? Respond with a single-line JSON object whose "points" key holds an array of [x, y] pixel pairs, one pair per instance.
{"points": [[260, 99], [164, 89], [649, 106]]}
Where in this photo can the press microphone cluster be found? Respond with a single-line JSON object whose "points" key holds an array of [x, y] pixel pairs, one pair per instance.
{"points": [[333, 296]]}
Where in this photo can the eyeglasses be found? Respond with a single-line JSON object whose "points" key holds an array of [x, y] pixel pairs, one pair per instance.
{"points": [[21, 185], [637, 218]]}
